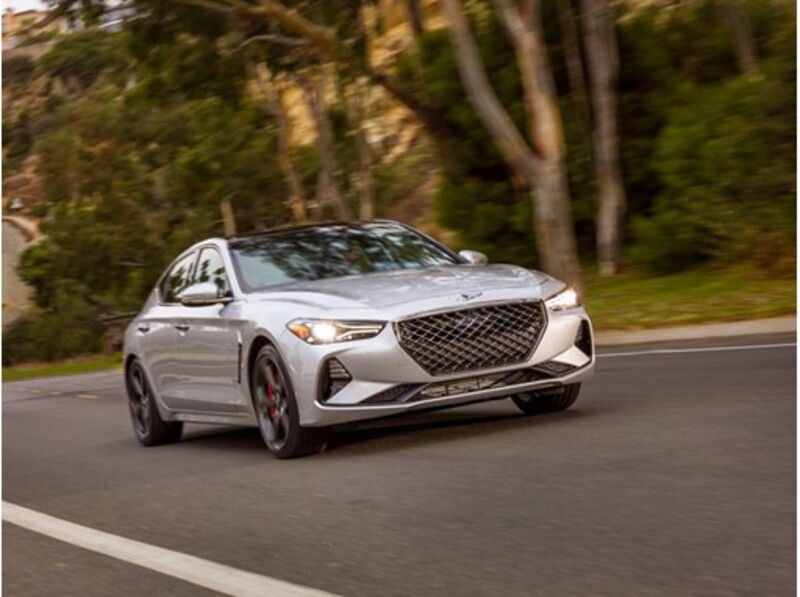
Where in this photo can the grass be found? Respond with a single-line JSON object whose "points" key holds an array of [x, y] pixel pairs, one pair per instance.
{"points": [[87, 364], [699, 296], [627, 301]]}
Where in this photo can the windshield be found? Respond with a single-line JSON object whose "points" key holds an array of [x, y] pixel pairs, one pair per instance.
{"points": [[331, 251]]}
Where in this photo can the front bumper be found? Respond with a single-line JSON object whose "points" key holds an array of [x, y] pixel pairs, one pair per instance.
{"points": [[379, 365]]}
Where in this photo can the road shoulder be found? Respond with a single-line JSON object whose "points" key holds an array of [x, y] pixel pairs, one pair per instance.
{"points": [[736, 329]]}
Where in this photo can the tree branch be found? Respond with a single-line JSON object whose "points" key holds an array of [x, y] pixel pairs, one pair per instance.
{"points": [[59, 11], [273, 37], [223, 7], [511, 144], [325, 44]]}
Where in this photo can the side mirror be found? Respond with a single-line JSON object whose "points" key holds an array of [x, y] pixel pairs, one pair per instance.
{"points": [[204, 293], [473, 257]]}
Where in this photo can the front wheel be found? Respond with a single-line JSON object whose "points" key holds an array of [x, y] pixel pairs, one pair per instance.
{"points": [[547, 401], [276, 409], [148, 426]]}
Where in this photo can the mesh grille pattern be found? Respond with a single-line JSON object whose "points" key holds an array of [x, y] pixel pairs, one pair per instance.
{"points": [[474, 338]]}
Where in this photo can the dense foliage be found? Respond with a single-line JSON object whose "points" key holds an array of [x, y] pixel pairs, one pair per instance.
{"points": [[708, 154], [140, 134]]}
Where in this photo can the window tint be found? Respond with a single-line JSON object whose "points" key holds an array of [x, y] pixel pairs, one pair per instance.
{"points": [[211, 269], [331, 251], [178, 278]]}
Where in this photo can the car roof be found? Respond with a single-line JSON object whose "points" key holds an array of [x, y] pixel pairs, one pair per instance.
{"points": [[223, 241], [293, 227]]}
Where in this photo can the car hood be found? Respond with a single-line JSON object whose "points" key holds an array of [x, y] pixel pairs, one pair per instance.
{"points": [[413, 289]]}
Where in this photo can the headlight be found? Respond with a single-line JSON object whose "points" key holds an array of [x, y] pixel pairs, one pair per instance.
{"points": [[566, 299], [324, 331]]}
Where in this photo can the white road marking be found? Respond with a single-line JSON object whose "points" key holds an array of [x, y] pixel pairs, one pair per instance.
{"points": [[204, 573], [698, 349], [88, 396]]}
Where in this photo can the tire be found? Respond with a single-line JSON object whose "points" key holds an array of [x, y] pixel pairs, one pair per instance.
{"points": [[550, 401], [148, 426], [276, 409]]}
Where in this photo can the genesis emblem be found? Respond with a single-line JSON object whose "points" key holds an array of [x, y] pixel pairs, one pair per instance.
{"points": [[468, 296]]}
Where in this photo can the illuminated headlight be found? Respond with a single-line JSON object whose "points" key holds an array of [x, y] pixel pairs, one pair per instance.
{"points": [[566, 299], [323, 331]]}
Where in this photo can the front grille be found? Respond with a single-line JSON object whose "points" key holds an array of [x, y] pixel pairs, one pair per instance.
{"points": [[473, 338]]}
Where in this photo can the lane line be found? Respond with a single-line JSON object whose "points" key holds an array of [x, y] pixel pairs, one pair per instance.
{"points": [[204, 573], [88, 396], [698, 349]]}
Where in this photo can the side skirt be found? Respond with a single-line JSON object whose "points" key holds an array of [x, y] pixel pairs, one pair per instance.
{"points": [[215, 419]]}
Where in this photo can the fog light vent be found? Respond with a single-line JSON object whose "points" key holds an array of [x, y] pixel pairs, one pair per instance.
{"points": [[583, 339], [554, 368], [393, 394], [334, 378]]}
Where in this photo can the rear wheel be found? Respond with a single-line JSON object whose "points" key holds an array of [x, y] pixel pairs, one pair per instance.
{"points": [[148, 426], [548, 401], [276, 409]]}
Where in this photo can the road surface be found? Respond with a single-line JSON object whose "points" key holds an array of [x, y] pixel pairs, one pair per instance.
{"points": [[674, 474]]}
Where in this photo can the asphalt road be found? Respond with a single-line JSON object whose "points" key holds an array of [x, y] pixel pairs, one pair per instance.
{"points": [[674, 474]]}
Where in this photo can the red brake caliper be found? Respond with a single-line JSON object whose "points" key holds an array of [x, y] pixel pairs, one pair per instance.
{"points": [[270, 401]]}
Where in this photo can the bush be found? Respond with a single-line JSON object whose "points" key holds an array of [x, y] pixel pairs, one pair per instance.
{"points": [[726, 162], [69, 329], [17, 69], [84, 56]]}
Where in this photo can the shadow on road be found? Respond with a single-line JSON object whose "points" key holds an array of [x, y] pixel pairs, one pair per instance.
{"points": [[390, 434]]}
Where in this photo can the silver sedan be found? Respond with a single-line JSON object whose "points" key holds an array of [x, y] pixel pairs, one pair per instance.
{"points": [[297, 330]]}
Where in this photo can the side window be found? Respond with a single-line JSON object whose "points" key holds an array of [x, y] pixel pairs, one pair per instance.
{"points": [[178, 278], [211, 269]]}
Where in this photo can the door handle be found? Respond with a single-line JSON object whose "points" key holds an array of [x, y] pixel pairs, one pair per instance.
{"points": [[182, 327], [143, 327]]}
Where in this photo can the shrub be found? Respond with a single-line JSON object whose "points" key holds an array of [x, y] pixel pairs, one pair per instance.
{"points": [[726, 162], [69, 329], [17, 69]]}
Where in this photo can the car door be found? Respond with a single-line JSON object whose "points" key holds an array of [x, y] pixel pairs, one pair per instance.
{"points": [[208, 349], [158, 335]]}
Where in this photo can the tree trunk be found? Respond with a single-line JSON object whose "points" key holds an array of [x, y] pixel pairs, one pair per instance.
{"points": [[294, 183], [415, 18], [331, 194], [572, 55], [604, 66], [228, 218], [366, 191], [742, 37], [550, 195]]}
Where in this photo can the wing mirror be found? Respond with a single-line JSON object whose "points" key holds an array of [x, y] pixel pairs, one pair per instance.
{"points": [[473, 257], [204, 293]]}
